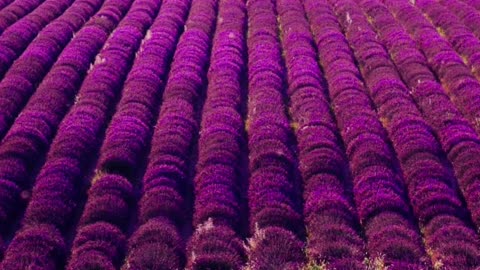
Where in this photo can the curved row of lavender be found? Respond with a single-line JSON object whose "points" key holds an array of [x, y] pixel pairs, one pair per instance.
{"points": [[216, 242], [27, 70], [235, 134], [334, 235], [467, 14], [473, 3], [453, 30], [28, 28], [449, 67], [273, 193], [452, 129], [431, 188], [392, 236], [5, 3], [19, 81], [159, 238], [25, 145], [54, 196], [99, 242], [18, 9]]}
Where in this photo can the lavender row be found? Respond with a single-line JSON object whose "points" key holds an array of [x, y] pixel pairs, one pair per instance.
{"points": [[431, 187], [467, 14], [111, 195], [379, 193], [331, 221], [110, 199], [94, 100], [55, 194], [5, 3], [473, 3], [157, 242], [16, 38], [29, 137], [49, 209], [138, 108], [51, 39], [30, 68], [462, 39], [216, 242], [462, 87], [457, 137], [15, 11], [273, 196]]}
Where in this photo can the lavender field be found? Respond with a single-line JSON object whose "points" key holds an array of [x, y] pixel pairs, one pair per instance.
{"points": [[239, 134]]}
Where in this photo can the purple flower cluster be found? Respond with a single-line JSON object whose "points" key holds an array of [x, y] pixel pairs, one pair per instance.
{"points": [[157, 243], [58, 185], [17, 37], [22, 150], [467, 14], [217, 219], [462, 87], [332, 223], [378, 189], [18, 9], [26, 143], [5, 3], [130, 130], [239, 134], [459, 35], [274, 199], [473, 3], [449, 238], [30, 68], [457, 137], [111, 195]]}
